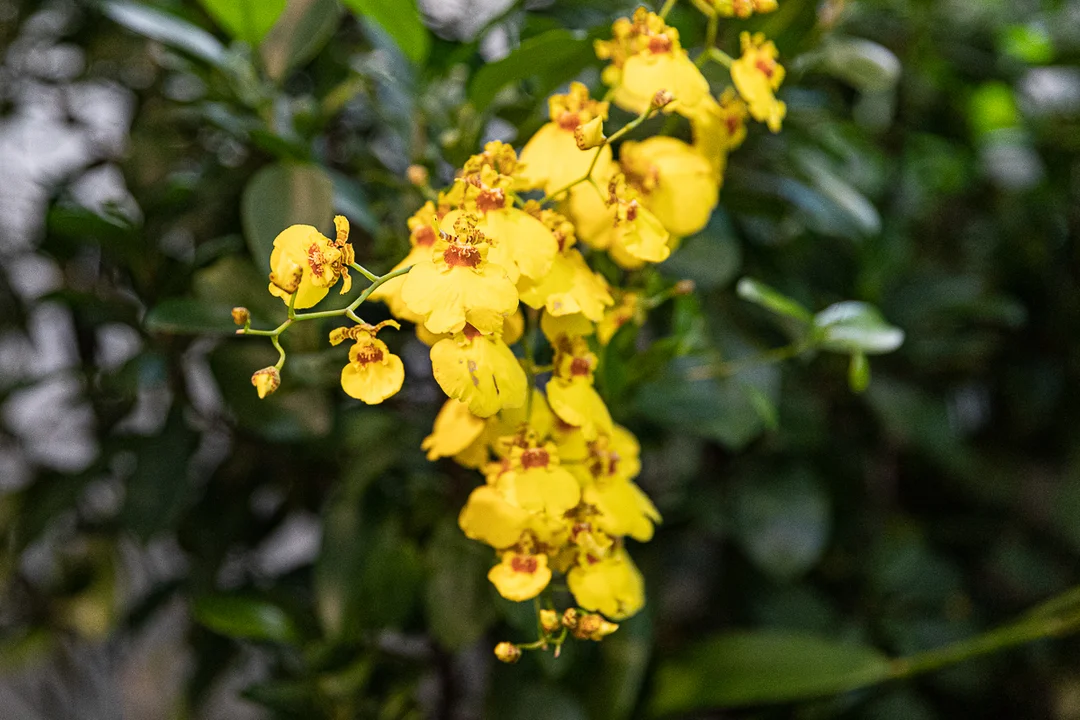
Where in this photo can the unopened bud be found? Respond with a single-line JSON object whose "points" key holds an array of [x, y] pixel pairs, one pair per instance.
{"points": [[662, 98], [241, 316], [592, 626], [266, 381], [417, 175], [549, 621], [684, 287], [570, 618], [507, 652], [590, 135]]}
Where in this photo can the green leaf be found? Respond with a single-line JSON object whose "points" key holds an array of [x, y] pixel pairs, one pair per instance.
{"points": [[159, 490], [865, 65], [856, 327], [246, 20], [762, 667], [166, 28], [761, 294], [401, 20], [188, 316], [281, 195], [299, 35], [458, 595], [535, 56], [245, 618], [859, 372], [711, 258], [351, 201], [782, 523]]}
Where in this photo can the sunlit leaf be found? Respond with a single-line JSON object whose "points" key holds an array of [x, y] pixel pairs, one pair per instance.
{"points": [[282, 195], [856, 327], [245, 618], [166, 28], [301, 32], [246, 20], [401, 20], [762, 667], [535, 56], [761, 294]]}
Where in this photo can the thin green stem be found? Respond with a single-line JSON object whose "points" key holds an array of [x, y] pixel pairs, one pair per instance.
{"points": [[667, 8], [587, 177], [710, 40], [766, 357], [292, 305], [364, 271], [281, 351], [718, 55]]}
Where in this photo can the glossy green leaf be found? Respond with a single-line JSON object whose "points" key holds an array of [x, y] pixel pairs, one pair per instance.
{"points": [[351, 201], [188, 316], [245, 618], [281, 195], [166, 28], [401, 20], [856, 327], [246, 20], [533, 57], [782, 523], [762, 667], [457, 597], [761, 294], [302, 31], [864, 64]]}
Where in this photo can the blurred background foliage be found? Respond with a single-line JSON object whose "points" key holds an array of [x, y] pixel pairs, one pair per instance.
{"points": [[173, 547]]}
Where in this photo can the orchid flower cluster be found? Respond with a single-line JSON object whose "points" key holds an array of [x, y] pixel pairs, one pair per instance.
{"points": [[501, 259]]}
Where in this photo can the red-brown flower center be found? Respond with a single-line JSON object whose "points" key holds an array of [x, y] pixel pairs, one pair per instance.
{"points": [[424, 236], [659, 44], [569, 120], [535, 458], [767, 67], [316, 259], [490, 199], [580, 366], [458, 255], [470, 332], [523, 564], [369, 354]]}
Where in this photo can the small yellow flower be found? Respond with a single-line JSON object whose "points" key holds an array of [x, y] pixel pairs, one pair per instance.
{"points": [[551, 159], [570, 288], [635, 235], [373, 373], [455, 430], [307, 263], [520, 576], [605, 475], [573, 325], [627, 308], [676, 183], [457, 285], [612, 585], [757, 77], [536, 482], [423, 232], [647, 58], [489, 518], [570, 392], [718, 128], [737, 8], [479, 370]]}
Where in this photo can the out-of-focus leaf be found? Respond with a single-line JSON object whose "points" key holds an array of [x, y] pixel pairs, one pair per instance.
{"points": [[856, 327], [401, 20], [351, 201], [993, 107], [711, 258], [626, 658], [245, 618], [864, 64], [166, 28], [761, 294], [762, 667], [458, 594], [246, 20], [782, 523], [160, 489], [301, 32], [535, 56], [534, 701], [188, 316], [1029, 43], [281, 195], [689, 398]]}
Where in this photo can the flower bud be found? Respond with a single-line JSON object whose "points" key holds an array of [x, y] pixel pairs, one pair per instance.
{"points": [[593, 627], [590, 135], [684, 287], [507, 652], [662, 98], [266, 381], [549, 621], [241, 316], [570, 618], [417, 175]]}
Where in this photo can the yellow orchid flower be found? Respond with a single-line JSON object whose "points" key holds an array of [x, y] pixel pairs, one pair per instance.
{"points": [[373, 373], [676, 183], [480, 370], [757, 77]]}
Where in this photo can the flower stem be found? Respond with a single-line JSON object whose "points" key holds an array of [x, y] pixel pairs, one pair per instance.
{"points": [[667, 8], [364, 271]]}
